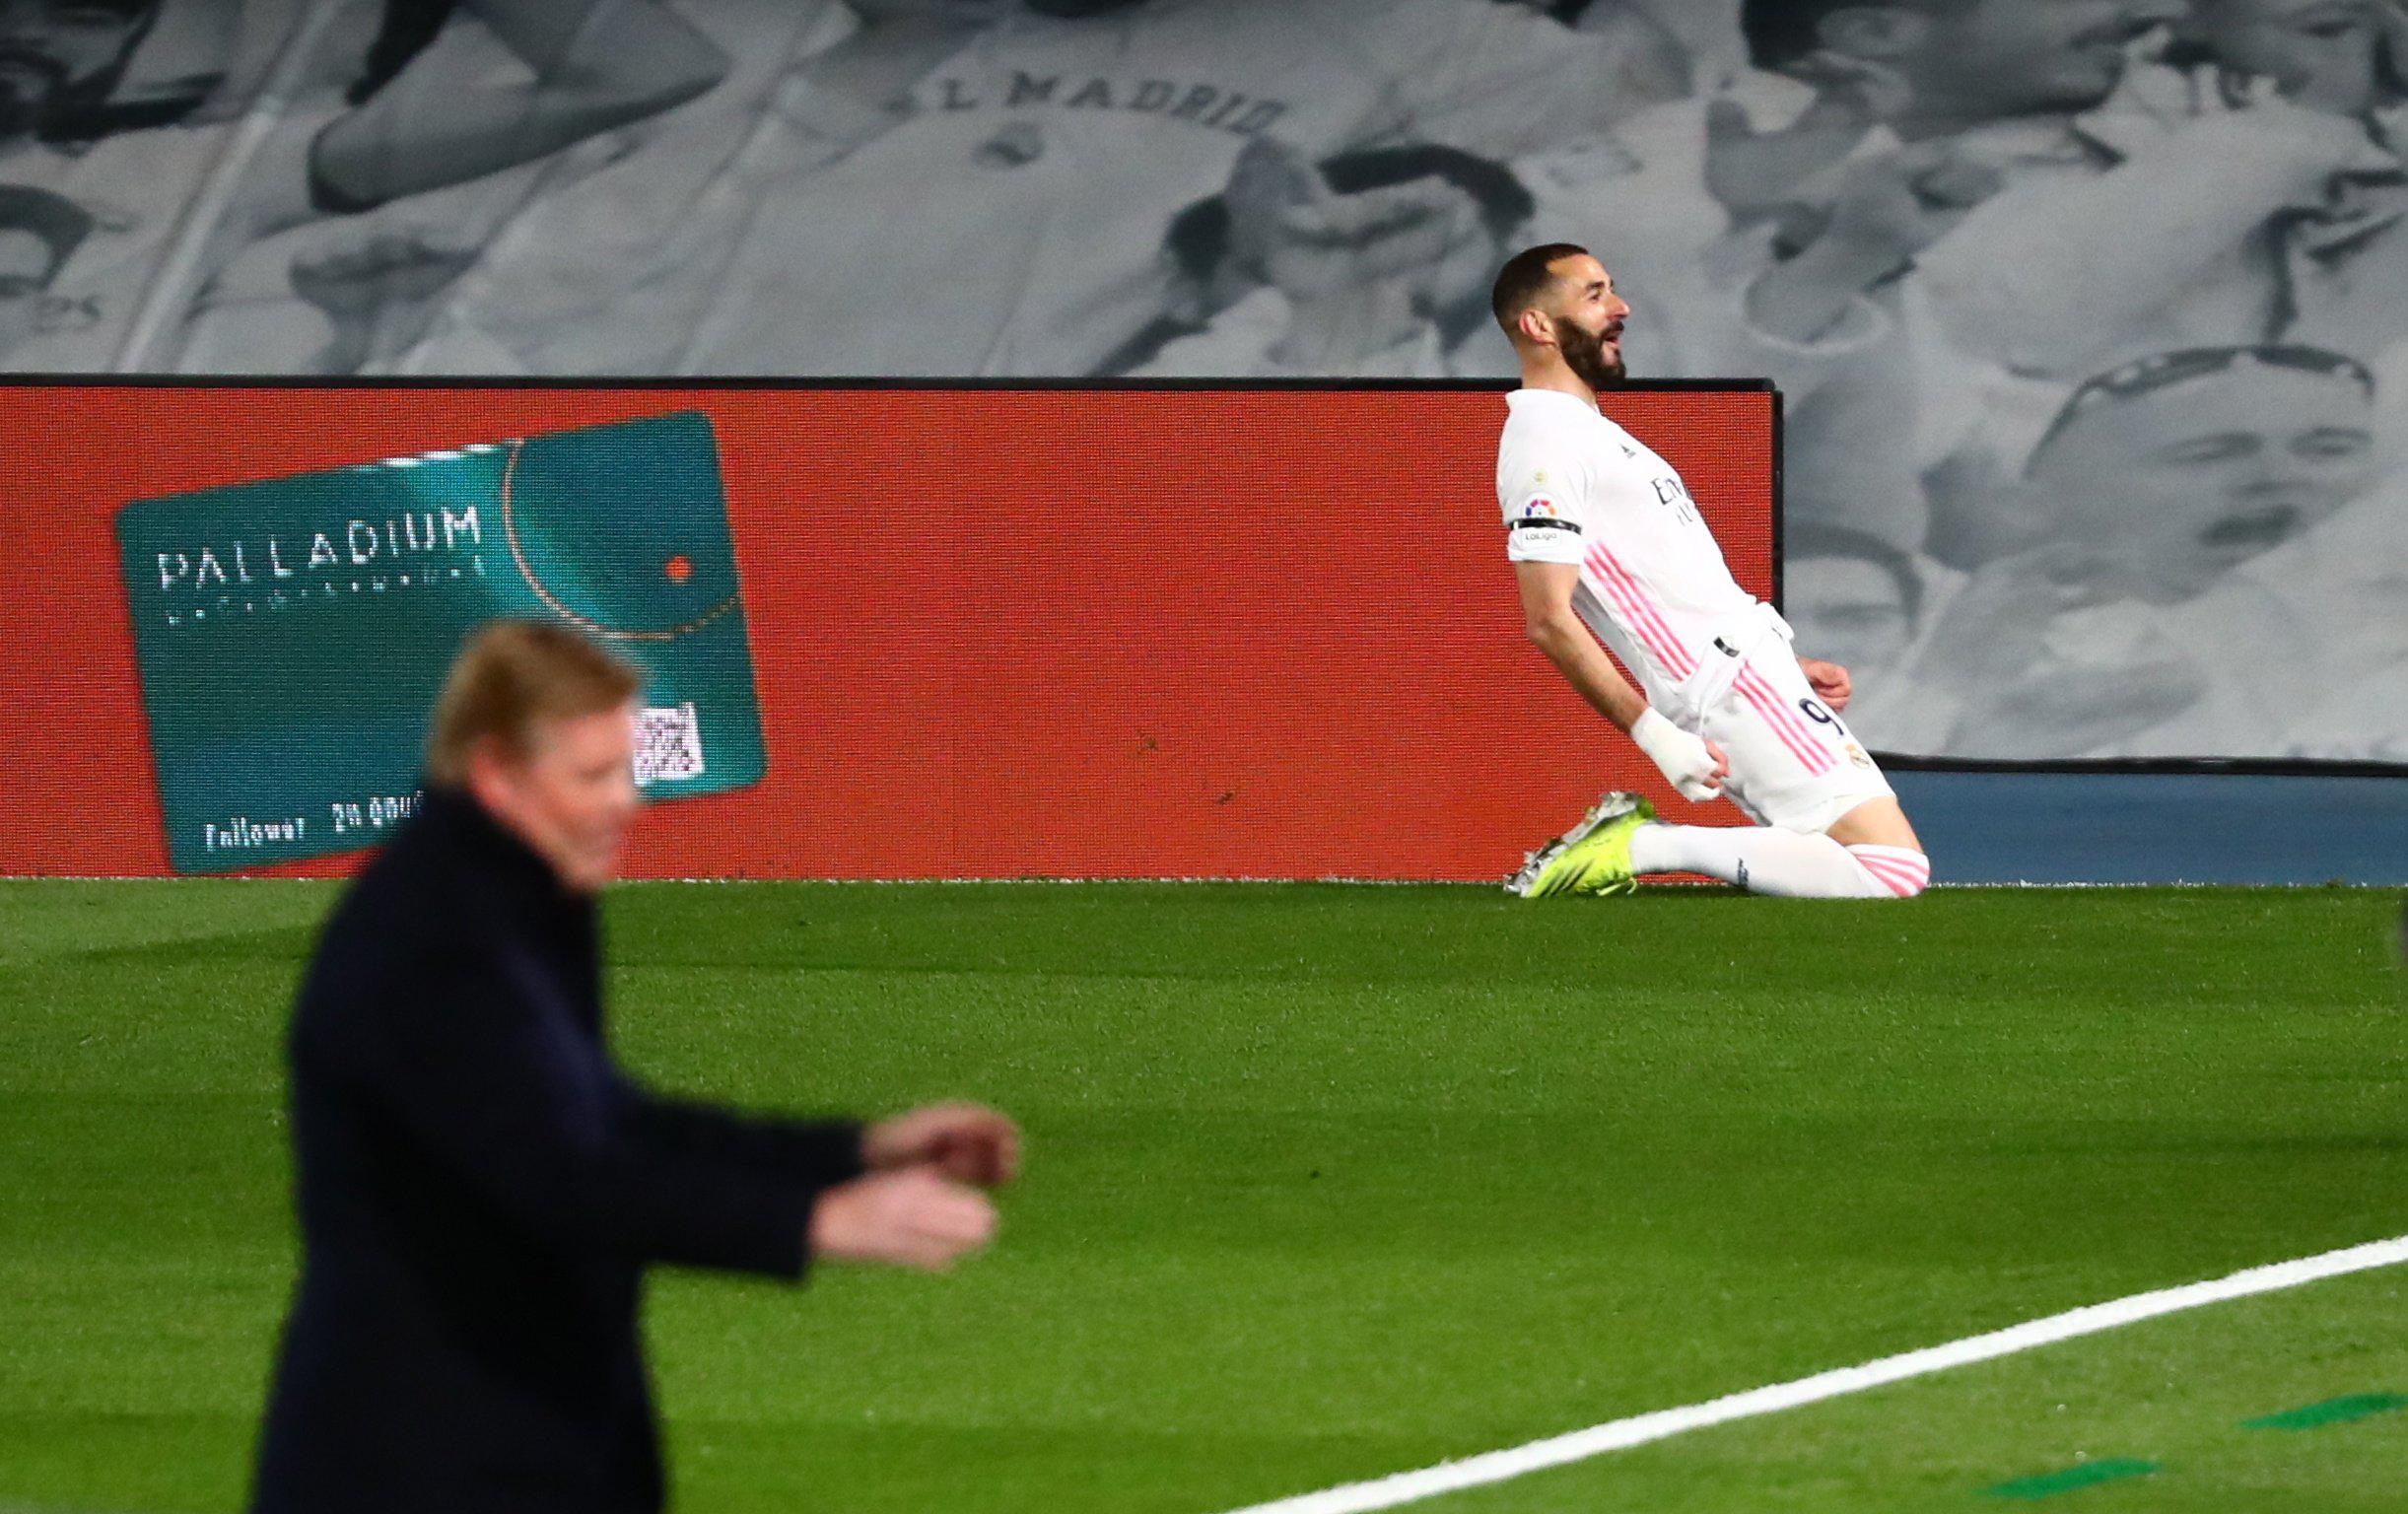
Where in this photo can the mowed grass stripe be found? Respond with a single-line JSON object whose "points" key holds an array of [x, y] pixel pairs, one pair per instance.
{"points": [[1323, 1181]]}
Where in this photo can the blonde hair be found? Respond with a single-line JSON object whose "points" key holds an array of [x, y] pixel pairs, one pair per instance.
{"points": [[512, 674]]}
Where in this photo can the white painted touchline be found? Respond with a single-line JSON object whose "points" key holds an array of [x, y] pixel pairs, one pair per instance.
{"points": [[1622, 1434]]}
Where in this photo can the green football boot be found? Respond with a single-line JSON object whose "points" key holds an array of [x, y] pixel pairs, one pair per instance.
{"points": [[1592, 858]]}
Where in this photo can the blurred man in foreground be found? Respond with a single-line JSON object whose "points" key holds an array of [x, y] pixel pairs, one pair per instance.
{"points": [[480, 1187]]}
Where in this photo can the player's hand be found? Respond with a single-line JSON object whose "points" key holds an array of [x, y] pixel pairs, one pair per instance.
{"points": [[966, 1143], [1694, 767], [1829, 681], [910, 1219]]}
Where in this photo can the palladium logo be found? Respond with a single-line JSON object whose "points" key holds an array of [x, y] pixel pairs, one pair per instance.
{"points": [[353, 556], [301, 562]]}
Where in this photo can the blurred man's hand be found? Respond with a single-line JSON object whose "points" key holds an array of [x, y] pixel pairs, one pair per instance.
{"points": [[966, 1143], [910, 1219]]}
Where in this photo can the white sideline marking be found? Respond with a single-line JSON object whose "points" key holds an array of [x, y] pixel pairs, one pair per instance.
{"points": [[1622, 1434]]}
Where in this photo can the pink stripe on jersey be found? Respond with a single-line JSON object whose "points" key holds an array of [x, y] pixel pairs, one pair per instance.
{"points": [[1629, 612], [1686, 661], [1797, 723], [1633, 617], [1787, 726], [1644, 624], [1804, 754], [1609, 565]]}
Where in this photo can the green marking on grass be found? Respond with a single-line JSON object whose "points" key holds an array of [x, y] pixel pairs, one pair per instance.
{"points": [[2070, 1480], [2314, 1416]]}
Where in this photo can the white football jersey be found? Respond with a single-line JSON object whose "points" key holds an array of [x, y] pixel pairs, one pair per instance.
{"points": [[1576, 488]]}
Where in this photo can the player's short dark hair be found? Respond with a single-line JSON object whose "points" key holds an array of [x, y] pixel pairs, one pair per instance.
{"points": [[1525, 276], [1809, 539]]}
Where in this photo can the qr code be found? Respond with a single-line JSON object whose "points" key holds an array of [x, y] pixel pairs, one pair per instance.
{"points": [[668, 745]]}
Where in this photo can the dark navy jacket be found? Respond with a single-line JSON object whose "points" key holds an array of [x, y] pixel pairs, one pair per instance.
{"points": [[479, 1192]]}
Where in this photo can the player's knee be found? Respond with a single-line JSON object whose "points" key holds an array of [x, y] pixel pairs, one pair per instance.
{"points": [[1901, 871]]}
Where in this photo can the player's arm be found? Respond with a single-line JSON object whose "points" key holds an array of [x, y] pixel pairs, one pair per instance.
{"points": [[1549, 621], [1696, 767], [594, 65]]}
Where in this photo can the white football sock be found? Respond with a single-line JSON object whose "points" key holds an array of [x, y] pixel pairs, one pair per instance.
{"points": [[1789, 864], [1903, 871]]}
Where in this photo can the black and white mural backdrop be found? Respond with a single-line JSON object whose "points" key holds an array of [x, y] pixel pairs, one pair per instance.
{"points": [[2093, 315]]}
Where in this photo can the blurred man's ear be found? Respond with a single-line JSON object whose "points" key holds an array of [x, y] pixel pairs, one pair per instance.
{"points": [[1874, 32], [1536, 327]]}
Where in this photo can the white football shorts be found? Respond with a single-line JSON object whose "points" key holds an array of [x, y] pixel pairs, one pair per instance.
{"points": [[1794, 763]]}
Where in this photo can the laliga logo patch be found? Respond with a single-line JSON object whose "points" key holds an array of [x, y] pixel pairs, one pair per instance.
{"points": [[1538, 508]]}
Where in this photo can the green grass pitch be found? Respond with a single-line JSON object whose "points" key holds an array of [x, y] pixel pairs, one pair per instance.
{"points": [[1329, 1181]]}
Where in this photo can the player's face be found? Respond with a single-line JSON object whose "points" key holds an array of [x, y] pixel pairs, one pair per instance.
{"points": [[571, 795], [1856, 609], [51, 46], [2324, 52], [2001, 58], [1588, 318], [2185, 483]]}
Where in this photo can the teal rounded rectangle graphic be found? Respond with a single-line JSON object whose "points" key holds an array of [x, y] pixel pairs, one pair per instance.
{"points": [[292, 632]]}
